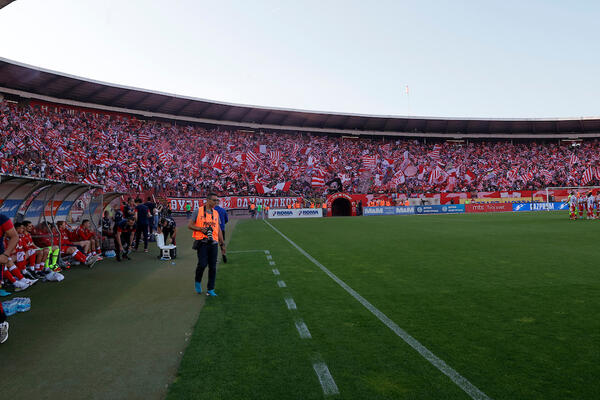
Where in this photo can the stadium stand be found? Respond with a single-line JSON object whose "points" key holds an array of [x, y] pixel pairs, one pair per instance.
{"points": [[131, 155]]}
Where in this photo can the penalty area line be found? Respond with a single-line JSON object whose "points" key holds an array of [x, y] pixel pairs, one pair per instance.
{"points": [[437, 362]]}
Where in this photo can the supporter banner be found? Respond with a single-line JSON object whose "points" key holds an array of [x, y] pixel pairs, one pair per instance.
{"points": [[488, 207], [440, 209], [297, 213], [178, 203], [540, 206], [392, 210]]}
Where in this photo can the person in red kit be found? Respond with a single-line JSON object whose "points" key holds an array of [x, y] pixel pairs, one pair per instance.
{"points": [[19, 256], [40, 255], [85, 233], [6, 230], [69, 248]]}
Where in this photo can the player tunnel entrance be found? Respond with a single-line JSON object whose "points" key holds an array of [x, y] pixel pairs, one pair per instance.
{"points": [[341, 207]]}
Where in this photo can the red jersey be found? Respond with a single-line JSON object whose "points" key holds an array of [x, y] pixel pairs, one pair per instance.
{"points": [[84, 234]]}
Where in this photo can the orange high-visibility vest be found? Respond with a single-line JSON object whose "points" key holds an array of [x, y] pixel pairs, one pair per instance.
{"points": [[289, 206], [406, 203], [312, 205], [252, 206], [324, 205], [205, 219]]}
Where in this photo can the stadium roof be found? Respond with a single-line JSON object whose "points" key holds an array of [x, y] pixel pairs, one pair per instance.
{"points": [[33, 82], [4, 3]]}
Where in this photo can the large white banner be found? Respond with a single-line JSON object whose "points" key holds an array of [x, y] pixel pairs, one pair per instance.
{"points": [[296, 213]]}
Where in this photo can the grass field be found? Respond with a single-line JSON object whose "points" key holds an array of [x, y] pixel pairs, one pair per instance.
{"points": [[508, 301]]}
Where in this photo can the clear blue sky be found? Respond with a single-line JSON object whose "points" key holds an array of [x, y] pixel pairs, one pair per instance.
{"points": [[459, 58]]}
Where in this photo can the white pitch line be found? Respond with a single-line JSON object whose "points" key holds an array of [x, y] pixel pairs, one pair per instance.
{"points": [[281, 284], [291, 304], [271, 262], [275, 271], [325, 379], [303, 329], [437, 362]]}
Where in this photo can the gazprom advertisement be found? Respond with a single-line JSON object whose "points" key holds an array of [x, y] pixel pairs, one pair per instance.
{"points": [[540, 206], [440, 209], [391, 210]]}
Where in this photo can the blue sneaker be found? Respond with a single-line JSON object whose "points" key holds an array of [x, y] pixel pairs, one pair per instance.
{"points": [[4, 293], [198, 287], [211, 293]]}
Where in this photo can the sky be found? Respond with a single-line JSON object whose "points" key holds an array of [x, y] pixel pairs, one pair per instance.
{"points": [[487, 59]]}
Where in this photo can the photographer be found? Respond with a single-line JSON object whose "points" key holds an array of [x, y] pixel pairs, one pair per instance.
{"points": [[207, 234]]}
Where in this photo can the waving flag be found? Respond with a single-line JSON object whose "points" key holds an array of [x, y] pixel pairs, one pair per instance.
{"points": [[251, 157], [588, 175], [283, 186], [470, 176]]}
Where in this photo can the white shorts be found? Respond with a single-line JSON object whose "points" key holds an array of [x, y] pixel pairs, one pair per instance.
{"points": [[20, 256]]}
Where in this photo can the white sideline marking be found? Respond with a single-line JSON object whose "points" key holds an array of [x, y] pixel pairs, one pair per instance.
{"points": [[246, 251], [275, 271], [281, 284], [325, 379], [269, 257], [291, 304], [271, 262], [303, 329], [457, 378]]}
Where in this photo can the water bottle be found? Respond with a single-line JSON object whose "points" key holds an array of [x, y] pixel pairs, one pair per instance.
{"points": [[8, 307], [27, 304]]}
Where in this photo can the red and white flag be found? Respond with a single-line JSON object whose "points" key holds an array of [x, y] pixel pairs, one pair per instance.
{"points": [[217, 163], [283, 186], [573, 159], [91, 180], [317, 181], [588, 175], [251, 157], [470, 176], [513, 173], [261, 189]]}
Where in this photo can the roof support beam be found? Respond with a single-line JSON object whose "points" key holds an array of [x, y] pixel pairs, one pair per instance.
{"points": [[67, 90], [180, 109], [118, 97]]}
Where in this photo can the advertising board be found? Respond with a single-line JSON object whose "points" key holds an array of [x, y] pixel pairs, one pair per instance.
{"points": [[440, 209], [296, 213], [391, 210], [488, 207], [540, 206]]}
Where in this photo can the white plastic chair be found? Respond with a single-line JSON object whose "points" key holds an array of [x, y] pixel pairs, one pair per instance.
{"points": [[165, 249]]}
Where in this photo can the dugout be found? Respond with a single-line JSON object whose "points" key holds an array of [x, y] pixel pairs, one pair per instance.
{"points": [[44, 202]]}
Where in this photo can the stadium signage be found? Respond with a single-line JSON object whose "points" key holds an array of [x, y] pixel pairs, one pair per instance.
{"points": [[178, 203], [440, 209], [391, 210], [540, 206], [488, 207], [297, 213]]}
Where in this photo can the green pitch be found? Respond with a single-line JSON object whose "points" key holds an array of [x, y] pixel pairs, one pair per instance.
{"points": [[508, 301]]}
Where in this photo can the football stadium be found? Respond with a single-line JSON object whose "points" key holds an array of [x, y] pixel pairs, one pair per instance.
{"points": [[162, 246]]}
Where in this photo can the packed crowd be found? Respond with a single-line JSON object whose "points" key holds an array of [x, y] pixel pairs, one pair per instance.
{"points": [[131, 155]]}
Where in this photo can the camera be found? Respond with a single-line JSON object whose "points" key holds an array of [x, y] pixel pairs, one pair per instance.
{"points": [[209, 235]]}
